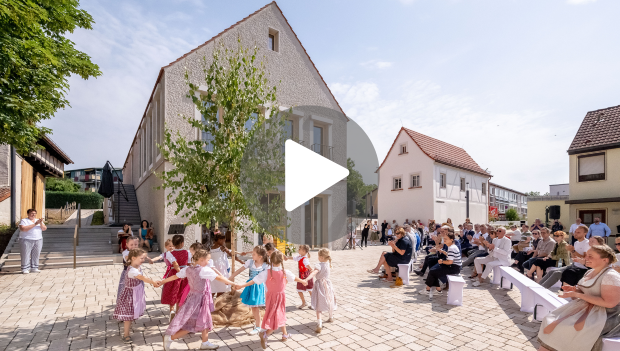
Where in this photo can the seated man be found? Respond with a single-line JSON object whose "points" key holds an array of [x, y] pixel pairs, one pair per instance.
{"points": [[402, 251], [570, 274], [479, 249], [499, 255]]}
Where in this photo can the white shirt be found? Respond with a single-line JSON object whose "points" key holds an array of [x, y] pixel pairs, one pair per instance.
{"points": [[171, 257], [125, 254], [262, 276], [617, 264], [133, 272], [34, 233], [502, 250], [474, 237], [581, 247], [516, 235], [123, 232], [305, 259], [573, 227], [205, 273]]}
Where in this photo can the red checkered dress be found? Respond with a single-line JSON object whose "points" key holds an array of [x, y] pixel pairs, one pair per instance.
{"points": [[172, 291], [125, 304]]}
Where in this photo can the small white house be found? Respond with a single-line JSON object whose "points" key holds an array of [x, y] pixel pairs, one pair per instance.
{"points": [[425, 178]]}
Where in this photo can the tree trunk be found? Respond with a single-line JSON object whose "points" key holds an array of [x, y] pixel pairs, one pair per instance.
{"points": [[233, 241]]}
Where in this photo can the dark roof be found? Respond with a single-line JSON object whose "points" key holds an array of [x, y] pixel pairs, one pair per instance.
{"points": [[161, 71], [54, 149], [5, 193], [599, 130], [442, 152]]}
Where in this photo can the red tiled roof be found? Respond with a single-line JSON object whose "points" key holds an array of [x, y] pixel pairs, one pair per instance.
{"points": [[442, 152], [5, 193], [161, 71], [600, 129]]}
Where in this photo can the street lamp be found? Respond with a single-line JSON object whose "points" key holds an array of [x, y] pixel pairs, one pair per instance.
{"points": [[467, 200]]}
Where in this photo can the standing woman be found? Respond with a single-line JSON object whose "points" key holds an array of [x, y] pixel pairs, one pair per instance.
{"points": [[31, 241], [594, 312], [146, 235], [374, 234], [365, 234]]}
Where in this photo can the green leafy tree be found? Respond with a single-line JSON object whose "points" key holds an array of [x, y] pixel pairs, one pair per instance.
{"points": [[36, 61], [62, 184], [512, 215], [356, 189], [206, 180]]}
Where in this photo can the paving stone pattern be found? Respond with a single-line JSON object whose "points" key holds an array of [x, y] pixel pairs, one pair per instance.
{"points": [[66, 309]]}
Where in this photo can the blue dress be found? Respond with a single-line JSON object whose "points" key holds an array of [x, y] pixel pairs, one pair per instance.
{"points": [[254, 295]]}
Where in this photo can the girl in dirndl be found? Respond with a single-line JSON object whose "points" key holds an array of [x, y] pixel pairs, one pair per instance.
{"points": [[275, 279], [254, 296], [179, 258], [132, 243], [323, 298], [303, 263], [195, 314], [131, 302]]}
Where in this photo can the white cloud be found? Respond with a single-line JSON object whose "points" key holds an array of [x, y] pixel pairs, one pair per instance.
{"points": [[496, 140], [376, 64], [580, 2]]}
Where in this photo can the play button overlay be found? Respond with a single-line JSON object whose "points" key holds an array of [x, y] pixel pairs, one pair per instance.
{"points": [[307, 174]]}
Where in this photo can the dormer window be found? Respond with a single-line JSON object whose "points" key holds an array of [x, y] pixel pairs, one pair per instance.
{"points": [[403, 149], [273, 40]]}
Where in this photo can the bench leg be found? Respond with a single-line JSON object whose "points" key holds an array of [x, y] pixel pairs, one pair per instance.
{"points": [[455, 294], [527, 300]]}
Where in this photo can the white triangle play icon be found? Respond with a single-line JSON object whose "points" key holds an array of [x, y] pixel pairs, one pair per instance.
{"points": [[307, 174]]}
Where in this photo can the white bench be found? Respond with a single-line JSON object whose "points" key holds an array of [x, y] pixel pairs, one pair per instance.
{"points": [[611, 344], [545, 301], [404, 270], [523, 283], [455, 293]]}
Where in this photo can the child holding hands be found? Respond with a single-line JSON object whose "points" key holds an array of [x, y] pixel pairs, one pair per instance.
{"points": [[303, 263], [323, 298], [131, 302]]}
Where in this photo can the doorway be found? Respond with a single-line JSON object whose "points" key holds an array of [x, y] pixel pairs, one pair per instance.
{"points": [[587, 216], [314, 221]]}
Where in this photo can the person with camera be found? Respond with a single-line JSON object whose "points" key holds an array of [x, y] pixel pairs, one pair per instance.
{"points": [[31, 241], [402, 249]]}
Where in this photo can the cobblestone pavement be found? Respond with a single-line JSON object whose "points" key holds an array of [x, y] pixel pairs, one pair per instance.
{"points": [[66, 309]]}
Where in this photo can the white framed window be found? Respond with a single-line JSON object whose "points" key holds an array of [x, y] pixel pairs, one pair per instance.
{"points": [[484, 188], [462, 184], [591, 167], [403, 149], [442, 180], [415, 181], [273, 40], [397, 184]]}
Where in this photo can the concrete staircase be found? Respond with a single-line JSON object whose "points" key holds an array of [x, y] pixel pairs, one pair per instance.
{"points": [[95, 248], [129, 212]]}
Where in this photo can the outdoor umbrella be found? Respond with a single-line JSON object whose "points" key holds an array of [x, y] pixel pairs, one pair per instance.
{"points": [[107, 181]]}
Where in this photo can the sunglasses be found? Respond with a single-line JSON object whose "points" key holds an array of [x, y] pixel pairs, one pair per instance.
{"points": [[617, 244], [557, 236]]}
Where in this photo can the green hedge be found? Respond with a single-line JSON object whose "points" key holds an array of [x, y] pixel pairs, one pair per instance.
{"points": [[58, 199]]}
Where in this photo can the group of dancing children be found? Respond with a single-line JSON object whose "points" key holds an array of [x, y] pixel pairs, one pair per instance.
{"points": [[191, 274]]}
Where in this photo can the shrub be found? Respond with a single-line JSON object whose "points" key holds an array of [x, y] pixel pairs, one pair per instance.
{"points": [[58, 199], [62, 184], [512, 215], [97, 218]]}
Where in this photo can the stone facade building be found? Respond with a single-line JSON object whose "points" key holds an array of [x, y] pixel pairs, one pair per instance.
{"points": [[317, 122]]}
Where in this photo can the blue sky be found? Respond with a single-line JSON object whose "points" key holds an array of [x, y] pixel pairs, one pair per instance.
{"points": [[509, 81]]}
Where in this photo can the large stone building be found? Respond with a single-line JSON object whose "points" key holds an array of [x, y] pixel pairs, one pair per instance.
{"points": [[425, 178], [594, 164], [321, 127]]}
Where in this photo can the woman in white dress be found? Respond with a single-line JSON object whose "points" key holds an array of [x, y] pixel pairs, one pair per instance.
{"points": [[594, 312]]}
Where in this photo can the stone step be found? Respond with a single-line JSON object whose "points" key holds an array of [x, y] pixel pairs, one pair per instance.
{"points": [[64, 254], [63, 259], [17, 267]]}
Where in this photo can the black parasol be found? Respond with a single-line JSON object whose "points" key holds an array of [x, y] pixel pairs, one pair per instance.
{"points": [[107, 181]]}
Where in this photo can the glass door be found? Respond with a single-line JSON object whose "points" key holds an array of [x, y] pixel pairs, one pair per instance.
{"points": [[314, 223]]}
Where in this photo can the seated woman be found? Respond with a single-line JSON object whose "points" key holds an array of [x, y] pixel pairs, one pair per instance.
{"points": [[523, 256], [443, 268], [402, 250], [594, 312], [122, 235], [560, 252], [146, 235]]}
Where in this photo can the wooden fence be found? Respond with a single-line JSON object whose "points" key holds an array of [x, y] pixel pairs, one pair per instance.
{"points": [[61, 213]]}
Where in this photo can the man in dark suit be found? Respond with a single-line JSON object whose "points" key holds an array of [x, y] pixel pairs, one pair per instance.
{"points": [[383, 228]]}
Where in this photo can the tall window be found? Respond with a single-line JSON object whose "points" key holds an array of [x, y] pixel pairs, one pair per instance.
{"points": [[484, 188], [273, 40], [271, 43], [462, 184], [415, 181], [591, 167], [288, 128], [398, 183], [403, 149], [442, 180], [207, 137]]}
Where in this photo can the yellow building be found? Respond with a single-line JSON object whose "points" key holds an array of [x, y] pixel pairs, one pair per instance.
{"points": [[537, 205], [594, 178]]}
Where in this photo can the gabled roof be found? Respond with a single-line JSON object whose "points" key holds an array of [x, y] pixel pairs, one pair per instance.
{"points": [[441, 152], [161, 71], [5, 193], [54, 149], [599, 130]]}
